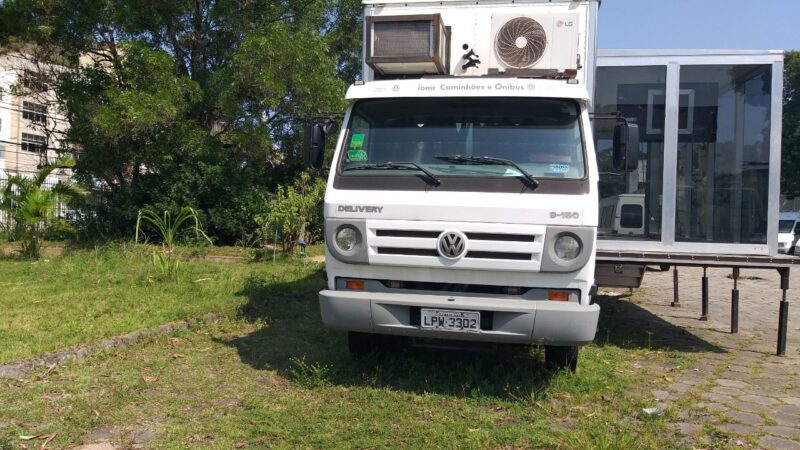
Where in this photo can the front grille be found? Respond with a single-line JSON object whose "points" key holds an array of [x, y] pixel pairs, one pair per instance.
{"points": [[474, 254], [407, 251], [515, 247], [455, 288], [471, 254], [408, 233], [472, 236], [500, 255], [501, 237]]}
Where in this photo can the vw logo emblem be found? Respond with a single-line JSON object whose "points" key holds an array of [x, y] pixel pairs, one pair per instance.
{"points": [[452, 244]]}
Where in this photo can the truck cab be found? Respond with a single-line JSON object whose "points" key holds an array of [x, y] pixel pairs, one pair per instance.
{"points": [[462, 198]]}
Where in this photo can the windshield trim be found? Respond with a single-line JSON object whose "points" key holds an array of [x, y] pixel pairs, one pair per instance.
{"points": [[494, 182]]}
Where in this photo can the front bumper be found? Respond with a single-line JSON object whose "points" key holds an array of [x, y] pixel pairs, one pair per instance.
{"points": [[514, 321]]}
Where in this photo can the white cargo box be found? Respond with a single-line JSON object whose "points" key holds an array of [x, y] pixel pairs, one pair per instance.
{"points": [[525, 38], [710, 151]]}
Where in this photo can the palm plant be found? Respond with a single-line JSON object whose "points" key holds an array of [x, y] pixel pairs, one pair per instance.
{"points": [[169, 230], [31, 205]]}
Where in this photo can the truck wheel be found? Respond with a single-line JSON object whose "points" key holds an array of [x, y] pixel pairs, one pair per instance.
{"points": [[361, 344], [562, 357]]}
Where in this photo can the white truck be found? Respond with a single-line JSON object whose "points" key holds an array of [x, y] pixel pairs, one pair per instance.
{"points": [[462, 199], [788, 231]]}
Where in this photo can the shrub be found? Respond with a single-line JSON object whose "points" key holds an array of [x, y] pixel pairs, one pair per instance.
{"points": [[297, 211]]}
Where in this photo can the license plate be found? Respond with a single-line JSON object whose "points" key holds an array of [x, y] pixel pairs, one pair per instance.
{"points": [[449, 320]]}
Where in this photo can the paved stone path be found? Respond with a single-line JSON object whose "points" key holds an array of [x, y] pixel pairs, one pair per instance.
{"points": [[740, 394]]}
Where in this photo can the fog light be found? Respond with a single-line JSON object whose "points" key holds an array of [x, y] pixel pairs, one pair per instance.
{"points": [[567, 247], [356, 285], [558, 296]]}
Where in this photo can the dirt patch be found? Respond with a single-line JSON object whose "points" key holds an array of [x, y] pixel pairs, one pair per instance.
{"points": [[21, 369], [97, 446], [47, 252]]}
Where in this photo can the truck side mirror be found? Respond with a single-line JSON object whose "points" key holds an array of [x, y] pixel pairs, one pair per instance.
{"points": [[625, 153], [314, 146]]}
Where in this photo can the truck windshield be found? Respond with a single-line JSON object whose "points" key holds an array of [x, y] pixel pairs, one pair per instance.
{"points": [[541, 136], [785, 226]]}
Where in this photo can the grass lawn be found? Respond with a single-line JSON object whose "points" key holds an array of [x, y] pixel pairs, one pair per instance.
{"points": [[51, 304], [269, 375]]}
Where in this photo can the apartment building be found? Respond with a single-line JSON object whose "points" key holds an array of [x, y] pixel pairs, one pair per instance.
{"points": [[31, 125]]}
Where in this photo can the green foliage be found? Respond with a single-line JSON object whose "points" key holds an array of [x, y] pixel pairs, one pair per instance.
{"points": [[169, 230], [790, 182], [309, 374], [59, 230], [32, 207], [297, 211], [192, 103]]}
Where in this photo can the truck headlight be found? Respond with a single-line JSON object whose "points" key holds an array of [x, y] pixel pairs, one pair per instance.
{"points": [[567, 247], [348, 239]]}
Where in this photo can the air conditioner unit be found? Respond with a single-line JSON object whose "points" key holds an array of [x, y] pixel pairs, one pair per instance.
{"points": [[407, 45], [546, 43]]}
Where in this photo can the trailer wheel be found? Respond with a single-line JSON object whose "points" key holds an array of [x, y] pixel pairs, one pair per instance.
{"points": [[361, 344], [562, 357]]}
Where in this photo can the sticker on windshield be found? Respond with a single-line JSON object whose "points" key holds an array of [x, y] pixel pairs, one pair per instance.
{"points": [[559, 168], [357, 141], [357, 155]]}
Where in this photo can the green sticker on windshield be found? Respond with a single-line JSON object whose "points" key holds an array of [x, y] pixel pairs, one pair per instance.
{"points": [[357, 141], [357, 155]]}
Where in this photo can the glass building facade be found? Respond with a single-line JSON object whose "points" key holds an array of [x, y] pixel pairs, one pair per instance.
{"points": [[709, 156]]}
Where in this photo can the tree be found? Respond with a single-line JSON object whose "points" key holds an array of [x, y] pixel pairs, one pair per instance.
{"points": [[790, 167], [195, 103], [31, 205]]}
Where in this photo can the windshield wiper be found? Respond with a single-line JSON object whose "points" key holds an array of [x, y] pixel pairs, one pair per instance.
{"points": [[398, 165], [489, 160]]}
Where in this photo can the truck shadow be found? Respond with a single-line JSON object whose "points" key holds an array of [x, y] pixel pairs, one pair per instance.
{"points": [[627, 325], [294, 342]]}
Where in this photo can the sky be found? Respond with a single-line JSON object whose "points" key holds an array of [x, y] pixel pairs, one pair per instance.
{"points": [[707, 24]]}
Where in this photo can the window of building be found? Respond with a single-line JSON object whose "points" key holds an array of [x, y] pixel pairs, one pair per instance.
{"points": [[34, 112], [33, 143], [34, 81]]}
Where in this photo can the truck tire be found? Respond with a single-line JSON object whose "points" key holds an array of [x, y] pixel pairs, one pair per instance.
{"points": [[361, 344], [562, 357]]}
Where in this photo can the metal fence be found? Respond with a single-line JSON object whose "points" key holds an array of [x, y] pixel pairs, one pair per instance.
{"points": [[60, 210]]}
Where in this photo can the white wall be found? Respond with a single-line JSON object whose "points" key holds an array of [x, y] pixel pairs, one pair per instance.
{"points": [[7, 79]]}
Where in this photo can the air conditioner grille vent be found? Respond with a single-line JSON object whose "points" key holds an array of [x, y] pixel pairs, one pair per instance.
{"points": [[521, 42], [404, 39]]}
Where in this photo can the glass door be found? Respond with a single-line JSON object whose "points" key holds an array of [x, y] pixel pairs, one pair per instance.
{"points": [[631, 203], [722, 177]]}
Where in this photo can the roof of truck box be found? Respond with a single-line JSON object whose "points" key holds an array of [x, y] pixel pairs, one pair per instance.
{"points": [[468, 87], [472, 2]]}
